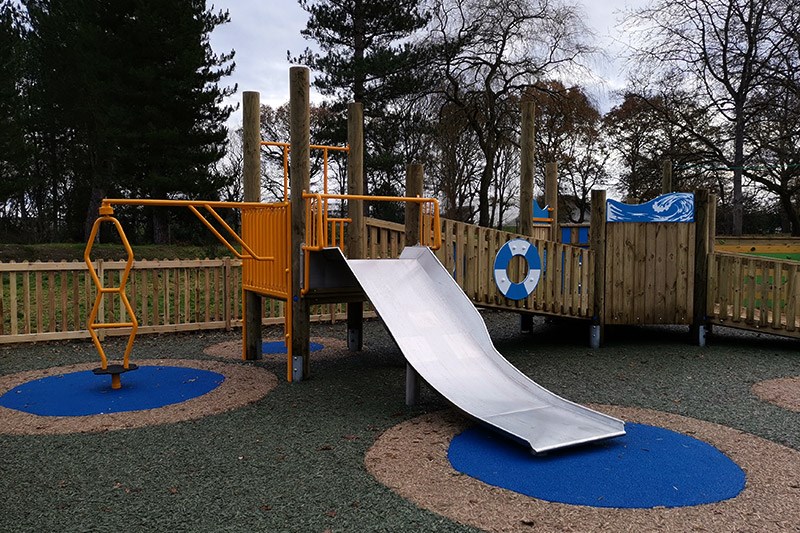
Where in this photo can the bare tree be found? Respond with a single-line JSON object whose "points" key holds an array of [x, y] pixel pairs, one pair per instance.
{"points": [[569, 131], [230, 168], [275, 128], [717, 50], [455, 165], [643, 131], [777, 164], [776, 131], [489, 52]]}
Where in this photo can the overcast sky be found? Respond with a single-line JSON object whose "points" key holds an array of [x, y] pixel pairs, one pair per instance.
{"points": [[261, 33]]}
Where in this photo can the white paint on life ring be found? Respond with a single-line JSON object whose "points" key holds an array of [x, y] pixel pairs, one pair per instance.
{"points": [[511, 290]]}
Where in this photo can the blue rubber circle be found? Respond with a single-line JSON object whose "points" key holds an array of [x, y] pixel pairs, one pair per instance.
{"points": [[279, 347], [84, 393], [523, 289], [648, 467]]}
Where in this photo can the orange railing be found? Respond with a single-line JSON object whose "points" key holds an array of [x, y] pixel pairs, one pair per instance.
{"points": [[323, 230], [264, 250], [285, 147]]}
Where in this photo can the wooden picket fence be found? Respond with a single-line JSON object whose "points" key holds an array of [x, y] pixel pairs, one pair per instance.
{"points": [[565, 286], [648, 280], [468, 252], [754, 293], [42, 301]]}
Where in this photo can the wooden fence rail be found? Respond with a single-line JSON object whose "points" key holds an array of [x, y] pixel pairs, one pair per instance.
{"points": [[565, 286], [42, 301], [50, 300], [754, 293]]}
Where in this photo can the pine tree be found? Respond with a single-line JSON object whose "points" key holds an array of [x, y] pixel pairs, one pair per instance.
{"points": [[134, 85], [11, 139], [367, 56], [364, 58]]}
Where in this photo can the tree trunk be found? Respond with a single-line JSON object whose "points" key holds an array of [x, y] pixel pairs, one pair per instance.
{"points": [[483, 191], [160, 226], [791, 214], [738, 163], [98, 193]]}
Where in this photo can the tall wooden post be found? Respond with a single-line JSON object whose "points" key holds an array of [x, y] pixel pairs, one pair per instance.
{"points": [[597, 245], [414, 179], [701, 250], [712, 242], [414, 183], [355, 212], [551, 197], [712, 222], [300, 178], [251, 126], [527, 155], [666, 176]]}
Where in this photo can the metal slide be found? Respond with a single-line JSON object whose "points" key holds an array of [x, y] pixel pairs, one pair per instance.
{"points": [[445, 340]]}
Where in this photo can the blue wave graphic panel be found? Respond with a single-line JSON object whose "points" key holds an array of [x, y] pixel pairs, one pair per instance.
{"points": [[540, 212], [673, 207]]}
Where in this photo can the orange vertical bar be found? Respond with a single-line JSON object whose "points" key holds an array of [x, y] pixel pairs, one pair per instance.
{"points": [[325, 172], [286, 173]]}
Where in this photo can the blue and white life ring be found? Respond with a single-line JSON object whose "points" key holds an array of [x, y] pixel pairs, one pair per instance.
{"points": [[511, 290]]}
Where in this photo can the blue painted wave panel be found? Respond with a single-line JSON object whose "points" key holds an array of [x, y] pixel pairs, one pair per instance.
{"points": [[673, 207]]}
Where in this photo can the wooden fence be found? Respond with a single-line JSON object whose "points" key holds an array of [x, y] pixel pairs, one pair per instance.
{"points": [[564, 289], [468, 252], [42, 301], [51, 300], [644, 284], [754, 293], [649, 273]]}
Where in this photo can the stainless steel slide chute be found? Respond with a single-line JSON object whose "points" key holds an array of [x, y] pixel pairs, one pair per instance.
{"points": [[444, 339]]}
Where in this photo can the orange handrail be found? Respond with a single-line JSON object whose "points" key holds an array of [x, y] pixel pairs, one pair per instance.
{"points": [[286, 147], [317, 220], [208, 206]]}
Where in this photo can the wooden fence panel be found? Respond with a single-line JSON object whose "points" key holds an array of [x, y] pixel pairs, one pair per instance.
{"points": [[562, 288], [50, 301], [754, 293], [649, 273]]}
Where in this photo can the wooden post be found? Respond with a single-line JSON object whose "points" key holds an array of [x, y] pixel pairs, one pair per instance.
{"points": [[712, 242], [527, 157], [527, 154], [251, 126], [300, 178], [414, 184], [701, 250], [666, 176], [551, 197], [414, 179], [597, 245], [712, 222], [355, 212]]}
